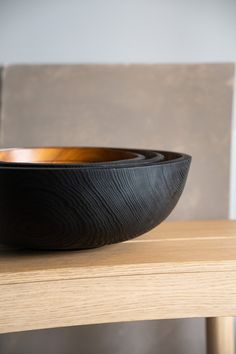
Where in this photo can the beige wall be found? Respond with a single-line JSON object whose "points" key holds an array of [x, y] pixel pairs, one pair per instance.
{"points": [[177, 107]]}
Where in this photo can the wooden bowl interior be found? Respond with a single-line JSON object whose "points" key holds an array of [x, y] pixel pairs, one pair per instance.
{"points": [[64, 155]]}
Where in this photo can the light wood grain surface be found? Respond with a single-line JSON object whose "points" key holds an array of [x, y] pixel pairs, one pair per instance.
{"points": [[179, 269]]}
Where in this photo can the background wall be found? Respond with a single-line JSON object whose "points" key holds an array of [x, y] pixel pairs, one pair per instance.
{"points": [[111, 31], [179, 107]]}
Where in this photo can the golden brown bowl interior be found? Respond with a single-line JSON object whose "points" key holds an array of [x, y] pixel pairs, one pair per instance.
{"points": [[64, 155]]}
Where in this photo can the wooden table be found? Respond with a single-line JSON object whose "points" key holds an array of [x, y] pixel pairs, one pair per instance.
{"points": [[178, 270]]}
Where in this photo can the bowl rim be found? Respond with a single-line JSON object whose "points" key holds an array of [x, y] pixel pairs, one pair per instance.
{"points": [[180, 157]]}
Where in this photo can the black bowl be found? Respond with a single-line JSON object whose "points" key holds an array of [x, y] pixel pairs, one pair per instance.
{"points": [[78, 208]]}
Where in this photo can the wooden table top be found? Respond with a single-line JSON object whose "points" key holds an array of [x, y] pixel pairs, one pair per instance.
{"points": [[171, 247], [172, 266]]}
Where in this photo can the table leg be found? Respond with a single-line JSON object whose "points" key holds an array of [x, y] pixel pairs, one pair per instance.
{"points": [[220, 335]]}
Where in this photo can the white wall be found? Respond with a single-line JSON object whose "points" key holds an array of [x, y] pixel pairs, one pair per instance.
{"points": [[117, 31], [123, 31]]}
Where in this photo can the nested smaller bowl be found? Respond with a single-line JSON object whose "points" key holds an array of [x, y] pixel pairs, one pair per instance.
{"points": [[80, 157], [66, 155]]}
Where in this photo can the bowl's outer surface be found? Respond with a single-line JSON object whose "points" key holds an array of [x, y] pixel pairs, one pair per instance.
{"points": [[85, 208]]}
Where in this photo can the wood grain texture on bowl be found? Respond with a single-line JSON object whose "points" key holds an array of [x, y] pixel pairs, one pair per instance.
{"points": [[73, 208]]}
